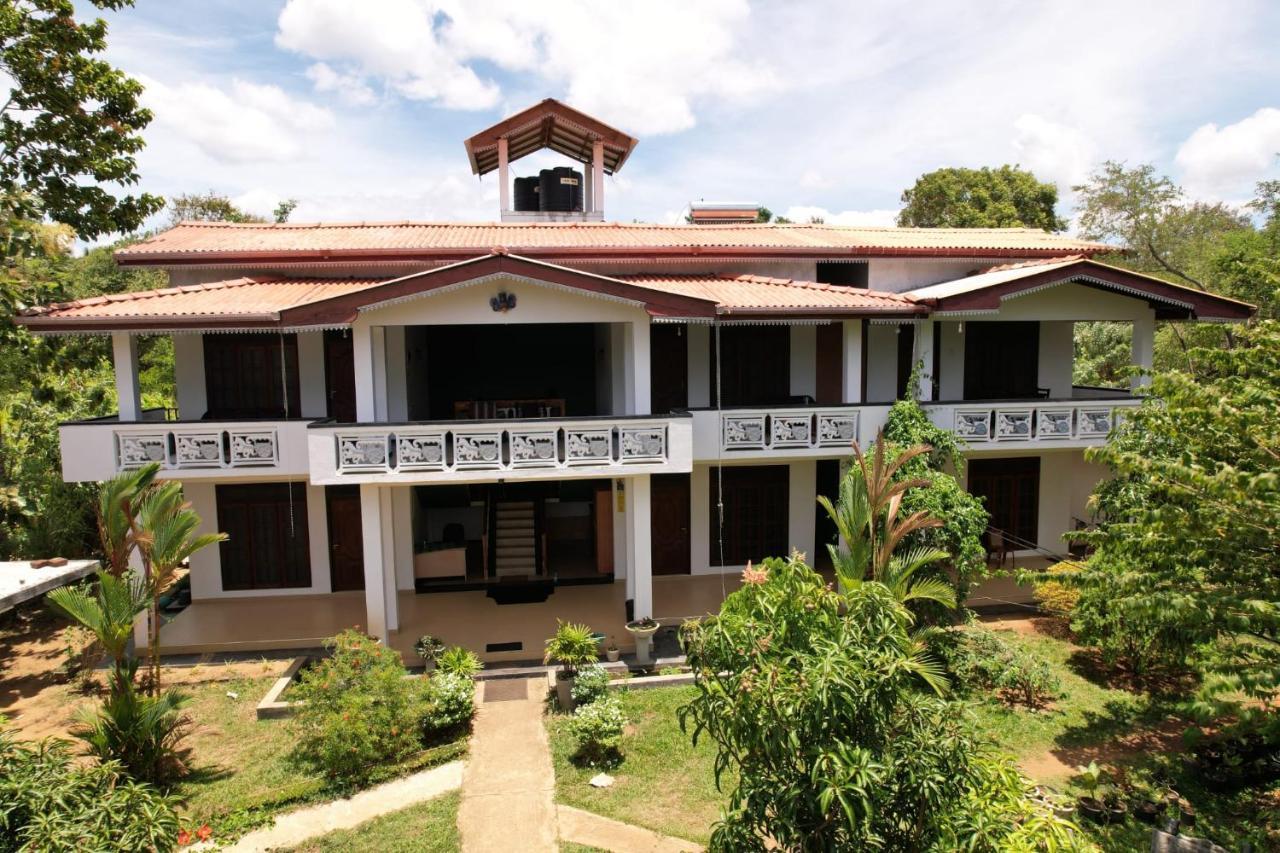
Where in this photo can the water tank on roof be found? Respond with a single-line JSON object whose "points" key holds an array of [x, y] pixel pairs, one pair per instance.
{"points": [[560, 190], [526, 193]]}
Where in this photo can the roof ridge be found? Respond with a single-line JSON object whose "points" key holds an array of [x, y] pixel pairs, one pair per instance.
{"points": [[1034, 262], [639, 226]]}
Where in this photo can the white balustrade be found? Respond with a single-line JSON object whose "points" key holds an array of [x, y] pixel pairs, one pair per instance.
{"points": [[519, 446], [788, 429], [1054, 421], [198, 446]]}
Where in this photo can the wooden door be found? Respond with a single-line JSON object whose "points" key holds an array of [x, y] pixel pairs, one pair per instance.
{"points": [[1011, 488], [340, 375], [669, 367], [830, 366], [346, 538], [754, 364], [669, 523], [1001, 360], [756, 509]]}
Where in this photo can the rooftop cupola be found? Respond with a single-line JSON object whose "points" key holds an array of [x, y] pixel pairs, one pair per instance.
{"points": [[561, 194]]}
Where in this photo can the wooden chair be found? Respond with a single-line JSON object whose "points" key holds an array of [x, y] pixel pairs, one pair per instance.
{"points": [[999, 548]]}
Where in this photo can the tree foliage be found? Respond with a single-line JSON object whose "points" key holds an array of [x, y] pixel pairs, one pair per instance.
{"points": [[70, 130], [1005, 197], [816, 698], [1185, 567], [215, 207]]}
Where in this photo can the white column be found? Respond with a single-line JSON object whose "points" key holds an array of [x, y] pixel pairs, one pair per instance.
{"points": [[318, 539], [363, 362], [397, 387], [378, 349], [597, 176], [375, 578], [802, 500], [188, 376], [389, 532], [851, 367], [701, 519], [924, 356], [1143, 346], [951, 382], [639, 540], [311, 384], [504, 184], [699, 344], [804, 361], [402, 513], [1057, 353], [620, 548], [124, 352], [637, 359]]}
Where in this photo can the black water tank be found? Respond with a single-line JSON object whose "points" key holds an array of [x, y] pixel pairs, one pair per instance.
{"points": [[527, 193], [559, 190]]}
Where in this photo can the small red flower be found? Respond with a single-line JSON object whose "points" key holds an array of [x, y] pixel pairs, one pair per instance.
{"points": [[204, 832], [184, 838]]}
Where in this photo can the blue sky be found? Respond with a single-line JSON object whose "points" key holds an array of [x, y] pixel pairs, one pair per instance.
{"points": [[359, 109]]}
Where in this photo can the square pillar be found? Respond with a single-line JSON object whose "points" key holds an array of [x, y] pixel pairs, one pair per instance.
{"points": [[637, 367], [363, 362], [1143, 346], [804, 360], [597, 176], [701, 534], [924, 356], [188, 376], [951, 382], [699, 347], [851, 362], [504, 185], [802, 500], [379, 565], [639, 546], [124, 354], [311, 384]]}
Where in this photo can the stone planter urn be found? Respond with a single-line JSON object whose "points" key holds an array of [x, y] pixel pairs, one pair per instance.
{"points": [[643, 630]]}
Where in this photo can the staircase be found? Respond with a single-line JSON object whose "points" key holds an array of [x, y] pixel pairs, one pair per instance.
{"points": [[515, 540]]}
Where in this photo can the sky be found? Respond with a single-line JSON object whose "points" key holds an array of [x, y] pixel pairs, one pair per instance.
{"points": [[358, 108]]}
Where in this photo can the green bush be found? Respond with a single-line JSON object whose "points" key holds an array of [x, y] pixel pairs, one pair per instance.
{"points": [[1054, 596], [450, 703], [459, 661], [572, 646], [592, 684], [429, 648], [597, 729], [50, 802], [981, 660], [144, 734], [357, 710]]}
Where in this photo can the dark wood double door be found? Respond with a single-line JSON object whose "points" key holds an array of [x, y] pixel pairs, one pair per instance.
{"points": [[346, 537], [669, 510]]}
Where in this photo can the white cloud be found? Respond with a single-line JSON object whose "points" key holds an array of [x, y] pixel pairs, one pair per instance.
{"points": [[250, 122], [348, 87], [1053, 151], [642, 66], [866, 218], [1224, 162]]}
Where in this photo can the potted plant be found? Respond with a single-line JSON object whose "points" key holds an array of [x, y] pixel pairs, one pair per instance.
{"points": [[1091, 780], [612, 652], [643, 631], [572, 646], [429, 648]]}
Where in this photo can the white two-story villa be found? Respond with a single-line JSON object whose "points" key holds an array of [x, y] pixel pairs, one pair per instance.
{"points": [[473, 429]]}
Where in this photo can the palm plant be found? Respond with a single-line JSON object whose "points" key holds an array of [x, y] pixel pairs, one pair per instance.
{"points": [[165, 529], [118, 501], [866, 515], [108, 612]]}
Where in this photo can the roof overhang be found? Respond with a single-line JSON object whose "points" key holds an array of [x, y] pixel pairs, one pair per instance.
{"points": [[1170, 301], [549, 124]]}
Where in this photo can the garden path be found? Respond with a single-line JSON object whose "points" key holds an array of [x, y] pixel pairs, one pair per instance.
{"points": [[509, 785], [295, 827]]}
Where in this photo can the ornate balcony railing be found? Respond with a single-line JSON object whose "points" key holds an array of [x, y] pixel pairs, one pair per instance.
{"points": [[197, 446], [1055, 420], [462, 447], [788, 429]]}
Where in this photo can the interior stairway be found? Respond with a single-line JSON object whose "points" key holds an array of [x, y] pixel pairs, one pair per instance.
{"points": [[515, 541], [515, 558]]}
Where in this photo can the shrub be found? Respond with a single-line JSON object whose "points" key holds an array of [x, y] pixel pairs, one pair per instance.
{"points": [[592, 684], [572, 646], [450, 703], [50, 802], [143, 734], [1054, 596], [597, 729], [357, 710], [459, 661], [429, 648], [981, 660]]}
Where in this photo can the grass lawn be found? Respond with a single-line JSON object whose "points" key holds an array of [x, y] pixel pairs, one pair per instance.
{"points": [[242, 774], [430, 827], [663, 784]]}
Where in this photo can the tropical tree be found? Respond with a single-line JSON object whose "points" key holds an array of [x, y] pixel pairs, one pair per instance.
{"points": [[166, 531], [1005, 197], [867, 517], [109, 611], [118, 502]]}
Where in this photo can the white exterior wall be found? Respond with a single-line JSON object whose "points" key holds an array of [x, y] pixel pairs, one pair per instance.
{"points": [[699, 345], [1057, 354], [882, 362], [188, 376], [951, 360], [311, 385], [804, 361]]}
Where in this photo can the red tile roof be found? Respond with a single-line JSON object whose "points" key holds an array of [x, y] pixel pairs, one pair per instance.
{"points": [[253, 302], [220, 242]]}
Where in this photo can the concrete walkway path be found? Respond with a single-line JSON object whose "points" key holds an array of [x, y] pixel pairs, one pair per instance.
{"points": [[592, 830], [509, 785], [295, 827]]}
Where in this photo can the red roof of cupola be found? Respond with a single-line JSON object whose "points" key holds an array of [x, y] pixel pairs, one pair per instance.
{"points": [[549, 124]]}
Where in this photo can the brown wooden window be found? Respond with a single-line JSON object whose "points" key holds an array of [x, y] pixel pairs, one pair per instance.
{"points": [[267, 545], [755, 514], [1011, 488], [244, 376]]}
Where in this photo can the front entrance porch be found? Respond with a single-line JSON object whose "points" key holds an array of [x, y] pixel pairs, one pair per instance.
{"points": [[468, 619]]}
